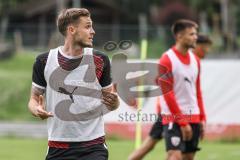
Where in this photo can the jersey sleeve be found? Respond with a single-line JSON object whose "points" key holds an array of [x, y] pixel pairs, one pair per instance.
{"points": [[105, 79], [199, 92], [38, 78]]}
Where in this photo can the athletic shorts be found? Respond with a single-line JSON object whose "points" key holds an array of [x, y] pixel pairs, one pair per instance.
{"points": [[173, 138], [157, 129], [75, 152]]}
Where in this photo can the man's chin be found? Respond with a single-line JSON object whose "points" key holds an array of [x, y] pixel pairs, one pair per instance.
{"points": [[192, 46], [87, 45]]}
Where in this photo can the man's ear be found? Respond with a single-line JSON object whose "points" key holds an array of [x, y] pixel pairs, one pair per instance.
{"points": [[178, 35], [71, 29]]}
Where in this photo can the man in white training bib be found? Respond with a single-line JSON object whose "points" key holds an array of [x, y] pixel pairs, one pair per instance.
{"points": [[72, 89], [182, 111]]}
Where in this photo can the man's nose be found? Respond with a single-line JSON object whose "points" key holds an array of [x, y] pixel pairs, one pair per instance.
{"points": [[92, 31], [195, 37]]}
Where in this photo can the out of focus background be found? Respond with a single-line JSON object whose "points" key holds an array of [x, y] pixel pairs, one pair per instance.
{"points": [[28, 28]]}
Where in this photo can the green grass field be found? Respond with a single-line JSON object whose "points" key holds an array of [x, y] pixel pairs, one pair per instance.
{"points": [[35, 149]]}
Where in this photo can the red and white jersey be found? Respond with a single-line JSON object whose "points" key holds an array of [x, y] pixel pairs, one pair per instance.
{"points": [[183, 104]]}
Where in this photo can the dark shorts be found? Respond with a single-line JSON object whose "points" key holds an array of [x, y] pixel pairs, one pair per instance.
{"points": [[157, 129], [94, 152], [173, 138]]}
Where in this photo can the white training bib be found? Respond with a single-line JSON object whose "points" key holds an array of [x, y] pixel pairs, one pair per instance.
{"points": [[74, 98], [184, 86]]}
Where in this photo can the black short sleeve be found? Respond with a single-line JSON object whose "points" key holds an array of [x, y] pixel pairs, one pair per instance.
{"points": [[105, 79], [38, 70]]}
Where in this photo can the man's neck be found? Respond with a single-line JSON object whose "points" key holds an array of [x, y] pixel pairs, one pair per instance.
{"points": [[183, 50], [72, 50]]}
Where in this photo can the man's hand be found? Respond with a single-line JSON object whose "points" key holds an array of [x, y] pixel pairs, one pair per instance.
{"points": [[186, 132], [110, 99], [36, 103], [202, 129], [40, 109]]}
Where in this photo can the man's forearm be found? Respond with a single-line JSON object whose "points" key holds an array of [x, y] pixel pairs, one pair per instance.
{"points": [[32, 106], [34, 99]]}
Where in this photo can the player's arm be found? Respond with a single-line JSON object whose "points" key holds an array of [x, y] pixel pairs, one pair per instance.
{"points": [[200, 101], [199, 93], [110, 97], [36, 102]]}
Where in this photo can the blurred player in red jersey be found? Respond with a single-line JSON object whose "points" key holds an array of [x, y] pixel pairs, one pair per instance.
{"points": [[183, 112], [203, 46]]}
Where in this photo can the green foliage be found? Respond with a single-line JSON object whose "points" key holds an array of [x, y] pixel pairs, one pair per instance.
{"points": [[156, 47], [15, 83]]}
